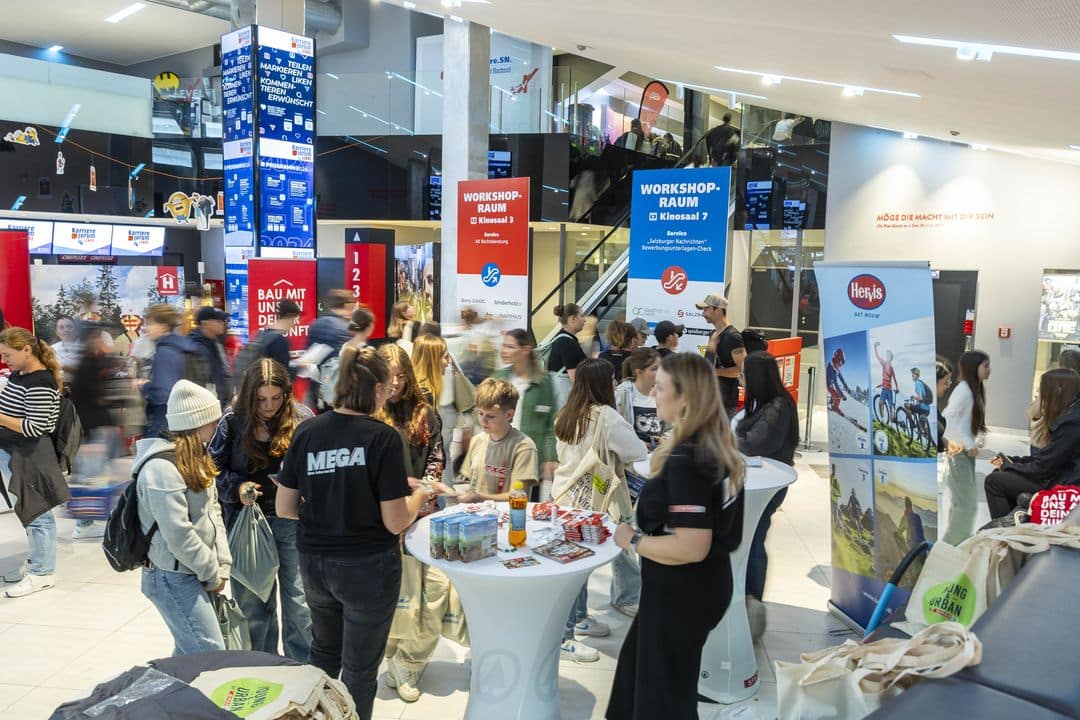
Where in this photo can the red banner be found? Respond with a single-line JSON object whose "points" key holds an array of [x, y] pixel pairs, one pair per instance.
{"points": [[270, 281], [167, 281], [653, 98], [15, 278], [493, 249], [369, 270]]}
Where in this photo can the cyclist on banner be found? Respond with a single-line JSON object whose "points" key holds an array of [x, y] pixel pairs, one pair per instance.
{"points": [[921, 395], [834, 381], [910, 533], [889, 384]]}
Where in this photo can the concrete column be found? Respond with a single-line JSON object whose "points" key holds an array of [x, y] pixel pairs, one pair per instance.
{"points": [[465, 117], [287, 15]]}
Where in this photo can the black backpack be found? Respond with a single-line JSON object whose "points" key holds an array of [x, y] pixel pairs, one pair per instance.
{"points": [[196, 368], [67, 436], [253, 352], [126, 546]]}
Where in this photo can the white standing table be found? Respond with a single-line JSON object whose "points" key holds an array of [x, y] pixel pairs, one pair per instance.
{"points": [[729, 670], [516, 619]]}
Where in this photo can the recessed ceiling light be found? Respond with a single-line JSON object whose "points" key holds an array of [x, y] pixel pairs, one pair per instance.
{"points": [[911, 136], [769, 78], [853, 91], [978, 146], [718, 91], [1074, 147], [55, 48], [457, 18], [408, 5], [332, 75], [984, 51], [124, 14]]}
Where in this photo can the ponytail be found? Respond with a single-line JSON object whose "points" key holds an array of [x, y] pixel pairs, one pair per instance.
{"points": [[567, 311], [640, 359], [17, 338]]}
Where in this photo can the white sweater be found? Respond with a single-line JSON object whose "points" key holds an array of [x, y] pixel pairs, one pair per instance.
{"points": [[958, 418], [623, 445]]}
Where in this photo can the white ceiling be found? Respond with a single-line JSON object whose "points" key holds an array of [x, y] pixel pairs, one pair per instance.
{"points": [[79, 25], [1020, 104]]}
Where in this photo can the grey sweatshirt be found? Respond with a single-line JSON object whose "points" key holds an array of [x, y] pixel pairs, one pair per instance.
{"points": [[191, 535]]}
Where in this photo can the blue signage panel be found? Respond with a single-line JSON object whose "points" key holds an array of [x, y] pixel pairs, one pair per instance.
{"points": [[678, 245], [286, 142], [238, 152]]}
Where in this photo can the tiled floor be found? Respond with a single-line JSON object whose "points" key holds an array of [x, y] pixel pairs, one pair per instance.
{"points": [[58, 644]]}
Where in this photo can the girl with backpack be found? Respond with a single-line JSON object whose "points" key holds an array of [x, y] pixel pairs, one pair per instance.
{"points": [[29, 410], [589, 423], [409, 412], [247, 447], [189, 554], [965, 416]]}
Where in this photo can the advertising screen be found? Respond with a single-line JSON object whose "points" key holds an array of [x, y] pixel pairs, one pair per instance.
{"points": [[81, 239], [794, 214], [137, 240], [40, 232], [286, 157], [238, 156], [758, 202]]}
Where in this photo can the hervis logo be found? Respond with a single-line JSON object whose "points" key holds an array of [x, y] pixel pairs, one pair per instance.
{"points": [[673, 280], [866, 291]]}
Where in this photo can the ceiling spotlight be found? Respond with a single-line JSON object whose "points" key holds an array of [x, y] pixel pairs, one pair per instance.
{"points": [[1074, 147], [978, 146], [966, 50], [55, 48], [911, 136], [124, 14], [770, 80], [408, 5], [853, 91]]}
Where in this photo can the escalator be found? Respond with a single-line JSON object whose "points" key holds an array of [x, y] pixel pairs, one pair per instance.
{"points": [[609, 259]]}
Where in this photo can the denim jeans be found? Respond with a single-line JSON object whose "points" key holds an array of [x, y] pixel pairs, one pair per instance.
{"points": [[352, 600], [625, 581], [41, 533], [262, 618], [186, 608], [578, 613], [758, 565]]}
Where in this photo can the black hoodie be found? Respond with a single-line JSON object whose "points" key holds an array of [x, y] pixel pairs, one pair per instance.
{"points": [[1059, 462]]}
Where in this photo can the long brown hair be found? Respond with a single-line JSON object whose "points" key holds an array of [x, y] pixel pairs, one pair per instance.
{"points": [[263, 373], [1058, 389], [194, 463], [398, 321], [639, 361], [17, 338], [703, 422], [594, 384], [409, 414], [427, 363], [969, 373], [360, 371]]}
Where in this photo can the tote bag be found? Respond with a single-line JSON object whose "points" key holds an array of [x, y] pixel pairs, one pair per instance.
{"points": [[234, 627], [958, 584], [852, 680], [407, 613], [597, 485], [255, 555]]}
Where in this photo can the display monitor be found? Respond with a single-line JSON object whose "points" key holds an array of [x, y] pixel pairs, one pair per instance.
{"points": [[81, 239], [499, 163], [138, 240], [40, 232], [758, 204], [794, 214]]}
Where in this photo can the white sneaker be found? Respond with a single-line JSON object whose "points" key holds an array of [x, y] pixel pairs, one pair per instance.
{"points": [[578, 652], [591, 627], [403, 680], [629, 611], [30, 585], [88, 532], [755, 611], [16, 575]]}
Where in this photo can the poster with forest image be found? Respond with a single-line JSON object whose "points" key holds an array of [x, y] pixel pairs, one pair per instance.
{"points": [[109, 294]]}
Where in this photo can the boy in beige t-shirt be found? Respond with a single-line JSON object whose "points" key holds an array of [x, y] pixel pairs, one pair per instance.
{"points": [[500, 455]]}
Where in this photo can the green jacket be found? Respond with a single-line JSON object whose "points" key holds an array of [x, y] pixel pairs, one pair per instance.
{"points": [[537, 412]]}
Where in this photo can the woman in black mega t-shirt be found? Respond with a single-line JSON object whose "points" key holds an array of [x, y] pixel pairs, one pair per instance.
{"points": [[690, 515], [349, 470]]}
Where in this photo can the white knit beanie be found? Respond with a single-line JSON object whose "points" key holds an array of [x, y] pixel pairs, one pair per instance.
{"points": [[190, 407]]}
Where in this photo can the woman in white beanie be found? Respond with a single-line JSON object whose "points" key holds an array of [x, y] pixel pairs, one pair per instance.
{"points": [[178, 508]]}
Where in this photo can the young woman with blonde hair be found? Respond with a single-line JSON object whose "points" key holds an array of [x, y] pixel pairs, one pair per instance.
{"points": [[447, 390], [29, 410], [250, 441], [178, 508], [690, 515]]}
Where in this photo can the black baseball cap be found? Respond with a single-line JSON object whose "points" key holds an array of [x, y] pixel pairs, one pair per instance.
{"points": [[666, 328], [288, 308], [211, 313]]}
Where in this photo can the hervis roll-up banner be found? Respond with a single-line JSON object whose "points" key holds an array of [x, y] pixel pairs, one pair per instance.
{"points": [[877, 321], [678, 247]]}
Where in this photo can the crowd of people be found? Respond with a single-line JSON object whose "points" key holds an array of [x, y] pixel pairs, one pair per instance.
{"points": [[386, 428], [392, 429]]}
